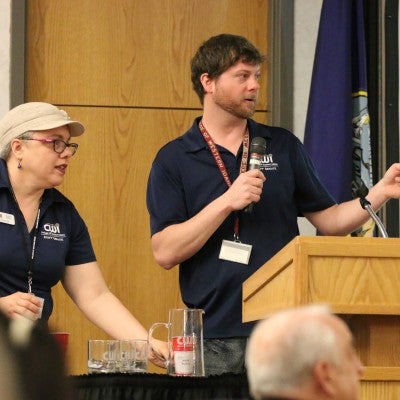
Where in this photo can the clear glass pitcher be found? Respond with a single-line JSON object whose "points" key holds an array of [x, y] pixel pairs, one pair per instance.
{"points": [[185, 341]]}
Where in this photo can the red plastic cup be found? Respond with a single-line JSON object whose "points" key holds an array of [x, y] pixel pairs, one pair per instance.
{"points": [[62, 339]]}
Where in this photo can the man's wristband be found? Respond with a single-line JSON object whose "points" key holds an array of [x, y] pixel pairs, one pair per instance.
{"points": [[364, 202]]}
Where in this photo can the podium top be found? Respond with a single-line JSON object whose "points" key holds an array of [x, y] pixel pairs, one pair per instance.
{"points": [[352, 274]]}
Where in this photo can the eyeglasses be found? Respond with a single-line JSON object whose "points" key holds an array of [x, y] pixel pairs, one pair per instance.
{"points": [[58, 145]]}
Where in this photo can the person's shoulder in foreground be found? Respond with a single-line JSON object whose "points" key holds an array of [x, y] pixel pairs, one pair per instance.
{"points": [[303, 353], [32, 367]]}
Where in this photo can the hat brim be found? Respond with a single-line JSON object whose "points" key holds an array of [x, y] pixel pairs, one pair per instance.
{"points": [[75, 128]]}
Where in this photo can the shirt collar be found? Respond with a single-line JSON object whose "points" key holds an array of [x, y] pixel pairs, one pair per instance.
{"points": [[4, 179], [193, 139]]}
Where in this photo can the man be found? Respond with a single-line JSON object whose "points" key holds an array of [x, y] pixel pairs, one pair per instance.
{"points": [[199, 186], [305, 353]]}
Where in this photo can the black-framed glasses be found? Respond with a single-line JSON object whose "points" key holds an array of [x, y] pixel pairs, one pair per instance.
{"points": [[58, 145]]}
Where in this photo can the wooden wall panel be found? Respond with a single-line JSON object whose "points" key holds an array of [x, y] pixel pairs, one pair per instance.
{"points": [[122, 68], [129, 52]]}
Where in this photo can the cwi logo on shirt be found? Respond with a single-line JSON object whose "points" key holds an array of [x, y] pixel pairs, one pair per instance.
{"points": [[54, 228], [52, 232], [268, 164]]}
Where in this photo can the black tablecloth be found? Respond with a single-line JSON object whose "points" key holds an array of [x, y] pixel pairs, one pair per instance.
{"points": [[159, 387]]}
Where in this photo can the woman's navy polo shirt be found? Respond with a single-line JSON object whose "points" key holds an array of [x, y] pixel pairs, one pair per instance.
{"points": [[62, 239], [184, 178]]}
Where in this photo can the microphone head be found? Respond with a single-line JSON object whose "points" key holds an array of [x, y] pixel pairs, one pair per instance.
{"points": [[258, 145]]}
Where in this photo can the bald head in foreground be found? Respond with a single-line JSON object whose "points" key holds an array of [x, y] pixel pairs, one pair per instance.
{"points": [[304, 353]]}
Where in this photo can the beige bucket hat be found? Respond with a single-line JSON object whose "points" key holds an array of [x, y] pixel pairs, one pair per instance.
{"points": [[35, 116]]}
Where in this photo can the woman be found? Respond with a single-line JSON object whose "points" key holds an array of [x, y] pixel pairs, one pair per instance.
{"points": [[43, 238]]}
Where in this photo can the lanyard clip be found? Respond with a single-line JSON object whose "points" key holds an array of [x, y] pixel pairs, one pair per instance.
{"points": [[236, 238], [30, 281]]}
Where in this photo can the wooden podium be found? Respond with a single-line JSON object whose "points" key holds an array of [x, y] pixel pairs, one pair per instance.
{"points": [[359, 278]]}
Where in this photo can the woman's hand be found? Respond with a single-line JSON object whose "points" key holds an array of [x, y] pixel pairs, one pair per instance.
{"points": [[158, 353], [21, 304]]}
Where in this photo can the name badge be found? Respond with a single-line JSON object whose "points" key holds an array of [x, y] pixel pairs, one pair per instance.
{"points": [[7, 218], [235, 251]]}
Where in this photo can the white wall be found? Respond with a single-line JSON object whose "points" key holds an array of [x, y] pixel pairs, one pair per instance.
{"points": [[5, 40], [306, 22]]}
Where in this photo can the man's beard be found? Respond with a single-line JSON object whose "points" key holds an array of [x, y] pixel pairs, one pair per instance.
{"points": [[238, 109]]}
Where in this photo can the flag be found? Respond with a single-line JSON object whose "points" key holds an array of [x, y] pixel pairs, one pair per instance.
{"points": [[337, 134]]}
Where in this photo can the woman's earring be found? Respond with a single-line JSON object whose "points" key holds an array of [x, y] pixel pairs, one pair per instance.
{"points": [[19, 164]]}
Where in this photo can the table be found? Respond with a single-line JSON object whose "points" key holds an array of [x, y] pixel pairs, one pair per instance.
{"points": [[159, 387]]}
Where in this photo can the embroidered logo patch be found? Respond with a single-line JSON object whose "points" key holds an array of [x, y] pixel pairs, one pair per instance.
{"points": [[52, 232], [268, 164]]}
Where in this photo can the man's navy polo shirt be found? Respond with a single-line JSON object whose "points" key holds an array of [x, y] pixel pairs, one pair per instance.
{"points": [[62, 239], [185, 178]]}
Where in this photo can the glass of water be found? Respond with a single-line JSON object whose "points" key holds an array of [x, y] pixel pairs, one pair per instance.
{"points": [[133, 356], [103, 356]]}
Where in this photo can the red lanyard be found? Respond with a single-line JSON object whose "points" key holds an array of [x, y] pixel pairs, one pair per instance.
{"points": [[221, 165]]}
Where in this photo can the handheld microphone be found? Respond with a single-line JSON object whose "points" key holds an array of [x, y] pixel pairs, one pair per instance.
{"points": [[362, 192], [257, 151]]}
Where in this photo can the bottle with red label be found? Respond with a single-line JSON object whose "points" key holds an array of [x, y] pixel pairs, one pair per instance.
{"points": [[183, 350]]}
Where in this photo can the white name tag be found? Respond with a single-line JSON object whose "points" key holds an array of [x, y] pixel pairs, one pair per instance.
{"points": [[7, 218], [235, 251]]}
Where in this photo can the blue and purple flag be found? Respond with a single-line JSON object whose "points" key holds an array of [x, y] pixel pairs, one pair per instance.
{"points": [[337, 134]]}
